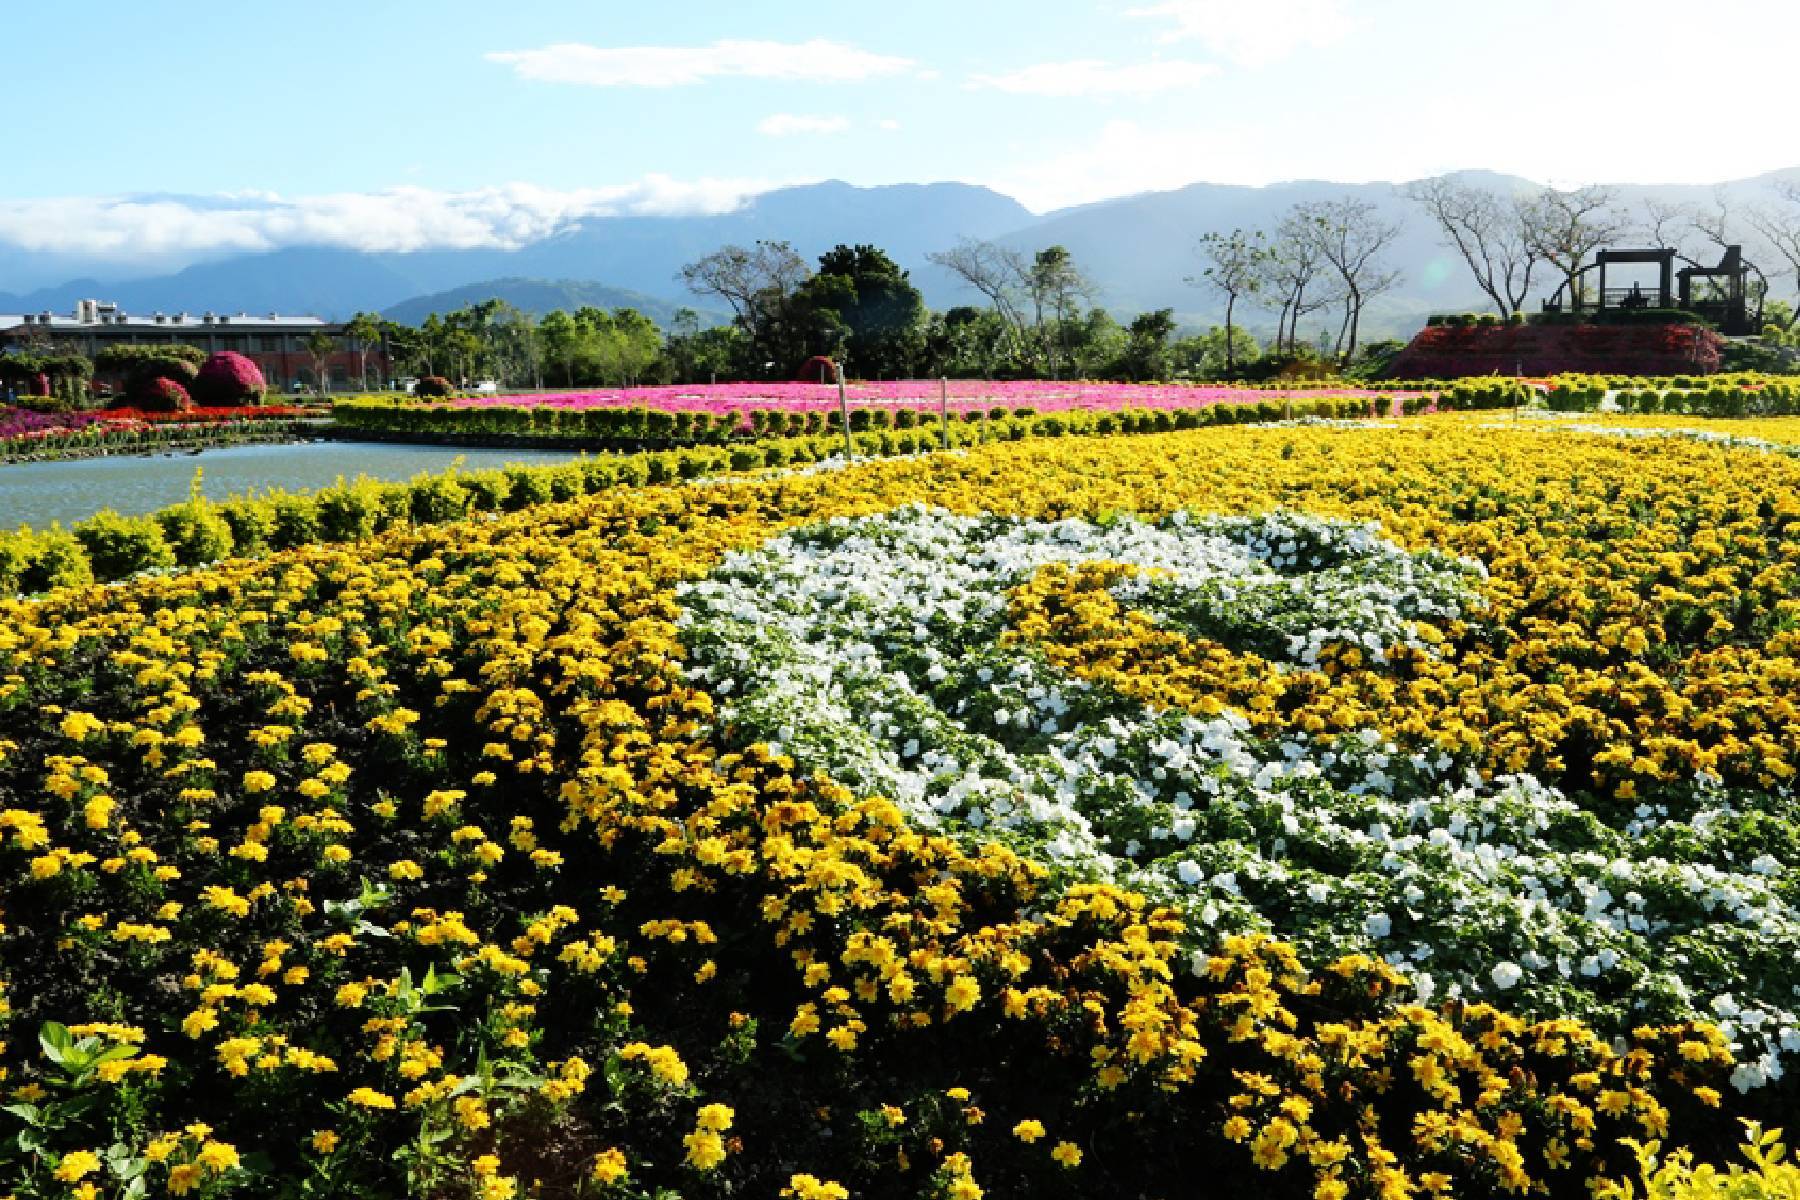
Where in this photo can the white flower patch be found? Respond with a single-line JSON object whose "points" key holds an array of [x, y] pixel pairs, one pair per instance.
{"points": [[873, 649]]}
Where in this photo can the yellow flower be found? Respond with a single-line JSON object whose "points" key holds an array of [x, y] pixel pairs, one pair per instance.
{"points": [[325, 1140], [258, 781], [1067, 1154], [705, 1149], [610, 1166], [370, 1098], [716, 1117], [1028, 1131], [76, 1164]]}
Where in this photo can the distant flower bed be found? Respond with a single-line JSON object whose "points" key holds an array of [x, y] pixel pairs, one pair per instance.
{"points": [[963, 395], [25, 433], [724, 412]]}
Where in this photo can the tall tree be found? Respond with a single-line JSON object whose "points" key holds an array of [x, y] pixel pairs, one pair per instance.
{"points": [[1296, 276], [759, 283], [366, 331], [1352, 236], [1057, 288], [1237, 267], [998, 273], [1488, 231], [1780, 226], [1565, 228], [320, 347], [877, 309]]}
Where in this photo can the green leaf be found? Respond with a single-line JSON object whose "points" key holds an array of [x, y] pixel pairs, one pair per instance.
{"points": [[54, 1037]]}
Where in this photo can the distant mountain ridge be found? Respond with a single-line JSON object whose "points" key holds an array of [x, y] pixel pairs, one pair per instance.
{"points": [[1139, 250], [539, 296]]}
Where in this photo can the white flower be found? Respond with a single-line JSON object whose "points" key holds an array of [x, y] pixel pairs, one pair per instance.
{"points": [[1189, 871], [1377, 925], [1506, 974]]}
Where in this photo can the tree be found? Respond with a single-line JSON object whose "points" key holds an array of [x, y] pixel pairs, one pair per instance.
{"points": [[1351, 236], [878, 312], [1780, 227], [1565, 228], [320, 346], [1294, 275], [365, 330], [1488, 231], [1038, 296], [998, 273], [1057, 289], [1237, 268], [759, 284], [1146, 354], [560, 337]]}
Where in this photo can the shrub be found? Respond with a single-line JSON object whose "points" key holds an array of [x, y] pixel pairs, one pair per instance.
{"points": [[196, 533], [164, 395], [54, 559], [251, 522], [433, 498], [227, 380], [295, 521], [349, 511], [433, 387], [119, 546]]}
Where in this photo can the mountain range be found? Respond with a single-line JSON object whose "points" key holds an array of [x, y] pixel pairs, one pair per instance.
{"points": [[1139, 250]]}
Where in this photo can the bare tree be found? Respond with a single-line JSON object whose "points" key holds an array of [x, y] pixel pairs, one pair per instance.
{"points": [[1664, 223], [997, 272], [758, 282], [1237, 268], [1295, 269], [1716, 224], [1036, 296], [1488, 230], [1780, 227], [1351, 236], [1565, 228]]}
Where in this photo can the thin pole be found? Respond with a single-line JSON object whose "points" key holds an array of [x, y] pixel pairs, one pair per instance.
{"points": [[944, 409], [844, 412]]}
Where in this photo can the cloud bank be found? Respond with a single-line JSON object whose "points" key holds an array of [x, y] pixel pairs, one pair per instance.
{"points": [[504, 217]]}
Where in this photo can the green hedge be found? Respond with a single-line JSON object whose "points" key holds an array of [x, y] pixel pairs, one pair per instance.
{"points": [[108, 546]]}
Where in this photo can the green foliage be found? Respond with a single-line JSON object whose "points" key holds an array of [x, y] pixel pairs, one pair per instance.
{"points": [[118, 546]]}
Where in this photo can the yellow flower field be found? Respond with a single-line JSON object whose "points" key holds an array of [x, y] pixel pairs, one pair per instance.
{"points": [[499, 858]]}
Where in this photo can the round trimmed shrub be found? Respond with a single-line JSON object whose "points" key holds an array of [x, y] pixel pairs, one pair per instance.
{"points": [[433, 387], [229, 380], [163, 394]]}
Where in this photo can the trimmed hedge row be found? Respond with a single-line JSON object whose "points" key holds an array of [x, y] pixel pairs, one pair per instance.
{"points": [[109, 546]]}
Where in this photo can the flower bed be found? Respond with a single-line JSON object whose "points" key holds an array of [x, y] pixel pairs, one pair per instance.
{"points": [[711, 415], [1067, 818], [34, 436]]}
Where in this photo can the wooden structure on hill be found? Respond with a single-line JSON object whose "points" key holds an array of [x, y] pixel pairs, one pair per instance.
{"points": [[1725, 295]]}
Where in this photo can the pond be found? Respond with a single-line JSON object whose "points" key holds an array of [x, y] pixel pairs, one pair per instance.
{"points": [[36, 494]]}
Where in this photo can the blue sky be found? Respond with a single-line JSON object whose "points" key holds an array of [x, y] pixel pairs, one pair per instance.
{"points": [[401, 123]]}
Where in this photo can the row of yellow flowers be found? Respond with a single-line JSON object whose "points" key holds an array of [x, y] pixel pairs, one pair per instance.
{"points": [[417, 866]]}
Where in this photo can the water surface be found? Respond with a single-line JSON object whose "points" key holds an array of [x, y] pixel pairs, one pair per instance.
{"points": [[38, 493]]}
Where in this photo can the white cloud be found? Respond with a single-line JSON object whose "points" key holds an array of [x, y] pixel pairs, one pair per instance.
{"points": [[396, 219], [1252, 34], [790, 124], [889, 124], [817, 60], [1092, 77]]}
